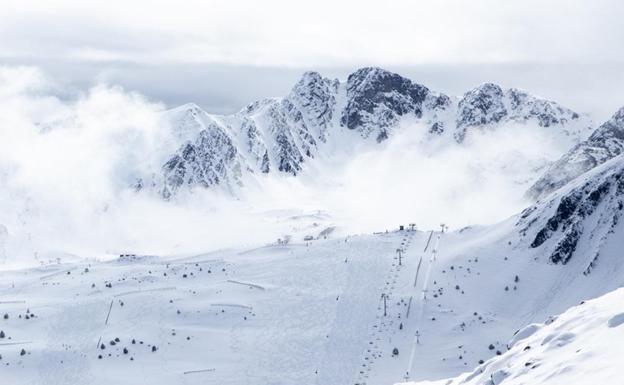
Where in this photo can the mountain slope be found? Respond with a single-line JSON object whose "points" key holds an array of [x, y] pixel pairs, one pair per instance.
{"points": [[480, 284], [489, 104], [322, 116], [343, 311], [576, 347], [605, 143]]}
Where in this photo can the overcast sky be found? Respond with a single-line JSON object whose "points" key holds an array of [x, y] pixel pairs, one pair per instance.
{"points": [[223, 54]]}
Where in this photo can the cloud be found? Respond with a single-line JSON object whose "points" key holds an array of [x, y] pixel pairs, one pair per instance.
{"points": [[285, 33], [414, 178], [68, 167]]}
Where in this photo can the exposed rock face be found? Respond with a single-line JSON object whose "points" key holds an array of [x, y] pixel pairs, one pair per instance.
{"points": [[311, 104], [281, 134], [211, 160], [526, 107], [287, 155], [377, 98], [480, 106], [589, 207], [489, 104], [605, 143]]}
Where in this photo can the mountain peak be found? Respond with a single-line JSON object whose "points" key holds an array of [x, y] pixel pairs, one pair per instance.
{"points": [[376, 98], [618, 117], [487, 88], [283, 132], [191, 107], [310, 77], [480, 106]]}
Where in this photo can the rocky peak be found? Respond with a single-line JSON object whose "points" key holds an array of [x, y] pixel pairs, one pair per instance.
{"points": [[376, 98], [547, 113], [280, 134], [490, 104], [311, 103], [480, 106], [612, 128], [211, 159]]}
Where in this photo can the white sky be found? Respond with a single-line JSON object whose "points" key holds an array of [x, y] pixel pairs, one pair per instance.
{"points": [[295, 33], [114, 40]]}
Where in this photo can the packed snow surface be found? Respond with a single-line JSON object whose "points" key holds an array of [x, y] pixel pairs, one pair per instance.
{"points": [[368, 309], [580, 346]]}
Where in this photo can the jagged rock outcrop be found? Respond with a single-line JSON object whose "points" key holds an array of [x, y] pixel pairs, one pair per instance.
{"points": [[311, 104], [376, 99], [589, 207], [281, 134], [489, 104], [605, 143], [480, 106], [212, 159]]}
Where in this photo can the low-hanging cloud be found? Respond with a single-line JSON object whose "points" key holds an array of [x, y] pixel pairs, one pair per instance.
{"points": [[67, 170], [416, 178]]}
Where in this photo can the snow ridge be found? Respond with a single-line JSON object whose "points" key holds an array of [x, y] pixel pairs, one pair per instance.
{"points": [[282, 134], [490, 104], [605, 143]]}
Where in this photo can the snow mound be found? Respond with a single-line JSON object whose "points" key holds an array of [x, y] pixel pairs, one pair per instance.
{"points": [[577, 348]]}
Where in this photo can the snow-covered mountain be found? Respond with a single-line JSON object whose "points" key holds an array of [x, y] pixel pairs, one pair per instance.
{"points": [[489, 104], [576, 347], [588, 208], [342, 310], [483, 283], [283, 134], [605, 143]]}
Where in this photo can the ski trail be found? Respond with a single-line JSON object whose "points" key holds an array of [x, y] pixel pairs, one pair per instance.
{"points": [[423, 300], [384, 322]]}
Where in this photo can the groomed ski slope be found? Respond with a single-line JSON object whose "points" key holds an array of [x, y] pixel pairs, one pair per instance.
{"points": [[304, 313], [273, 315]]}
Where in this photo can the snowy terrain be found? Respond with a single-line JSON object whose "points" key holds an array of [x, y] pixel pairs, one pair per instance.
{"points": [[110, 165], [155, 246], [576, 347], [313, 312], [322, 118], [605, 143]]}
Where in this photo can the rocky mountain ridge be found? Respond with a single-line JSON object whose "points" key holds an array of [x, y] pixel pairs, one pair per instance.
{"points": [[283, 134]]}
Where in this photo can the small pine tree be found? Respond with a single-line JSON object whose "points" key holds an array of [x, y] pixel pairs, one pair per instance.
{"points": [[265, 167]]}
